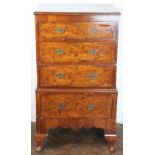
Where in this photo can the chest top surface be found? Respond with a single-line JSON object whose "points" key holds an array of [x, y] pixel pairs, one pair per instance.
{"points": [[77, 8]]}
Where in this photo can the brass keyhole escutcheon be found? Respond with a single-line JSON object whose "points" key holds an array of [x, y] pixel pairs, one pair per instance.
{"points": [[62, 106], [92, 76], [59, 30], [91, 107], [60, 75], [92, 52], [59, 51], [94, 30]]}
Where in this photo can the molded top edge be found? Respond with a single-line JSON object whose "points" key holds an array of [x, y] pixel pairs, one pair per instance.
{"points": [[77, 9]]}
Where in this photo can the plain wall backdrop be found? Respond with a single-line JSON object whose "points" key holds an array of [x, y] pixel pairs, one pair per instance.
{"points": [[119, 66]]}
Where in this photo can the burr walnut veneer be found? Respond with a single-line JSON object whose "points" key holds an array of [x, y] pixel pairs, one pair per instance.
{"points": [[76, 68]]}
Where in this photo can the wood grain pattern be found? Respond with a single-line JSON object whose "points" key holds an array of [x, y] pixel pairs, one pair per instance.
{"points": [[93, 52], [76, 105], [77, 123], [76, 30], [77, 76]]}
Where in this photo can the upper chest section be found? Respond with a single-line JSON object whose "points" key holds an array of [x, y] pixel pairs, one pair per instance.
{"points": [[79, 23]]}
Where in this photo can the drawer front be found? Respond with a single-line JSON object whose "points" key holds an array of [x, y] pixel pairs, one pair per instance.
{"points": [[76, 30], [76, 105], [77, 76], [57, 52]]}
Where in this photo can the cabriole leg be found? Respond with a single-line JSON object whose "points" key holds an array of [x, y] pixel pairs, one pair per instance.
{"points": [[112, 140], [39, 139]]}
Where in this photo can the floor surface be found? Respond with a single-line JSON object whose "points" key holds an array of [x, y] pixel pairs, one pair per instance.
{"points": [[81, 142]]}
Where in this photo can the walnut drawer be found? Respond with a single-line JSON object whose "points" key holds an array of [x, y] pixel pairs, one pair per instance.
{"points": [[76, 76], [76, 30], [57, 52], [75, 104]]}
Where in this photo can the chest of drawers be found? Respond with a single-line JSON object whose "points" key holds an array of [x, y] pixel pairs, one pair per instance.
{"points": [[76, 51]]}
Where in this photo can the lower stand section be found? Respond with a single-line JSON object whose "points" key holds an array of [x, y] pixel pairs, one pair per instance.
{"points": [[112, 140], [39, 139]]}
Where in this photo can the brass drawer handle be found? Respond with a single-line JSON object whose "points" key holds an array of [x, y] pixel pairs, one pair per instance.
{"points": [[91, 107], [59, 30], [59, 51], [62, 106], [92, 76], [60, 75], [92, 52]]}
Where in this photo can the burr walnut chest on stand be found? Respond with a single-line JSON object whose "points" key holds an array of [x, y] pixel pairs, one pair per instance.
{"points": [[76, 48]]}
